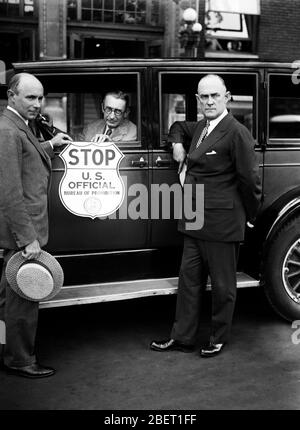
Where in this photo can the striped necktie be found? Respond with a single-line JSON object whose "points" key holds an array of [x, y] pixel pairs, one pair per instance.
{"points": [[107, 130], [203, 134]]}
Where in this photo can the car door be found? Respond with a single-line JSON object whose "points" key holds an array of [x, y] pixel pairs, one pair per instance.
{"points": [[73, 100], [176, 101]]}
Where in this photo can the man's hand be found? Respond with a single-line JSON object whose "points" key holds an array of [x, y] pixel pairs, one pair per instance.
{"points": [[179, 155], [46, 119], [60, 139], [32, 250], [98, 138]]}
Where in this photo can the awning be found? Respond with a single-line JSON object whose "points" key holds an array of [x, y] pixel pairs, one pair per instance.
{"points": [[248, 7]]}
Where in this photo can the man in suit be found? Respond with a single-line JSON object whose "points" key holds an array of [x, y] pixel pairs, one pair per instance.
{"points": [[222, 158], [115, 125], [25, 168]]}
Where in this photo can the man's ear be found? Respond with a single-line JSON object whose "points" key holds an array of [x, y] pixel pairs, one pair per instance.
{"points": [[228, 96], [126, 113], [10, 94]]}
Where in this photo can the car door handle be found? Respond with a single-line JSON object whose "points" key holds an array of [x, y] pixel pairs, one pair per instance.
{"points": [[139, 163], [162, 163]]}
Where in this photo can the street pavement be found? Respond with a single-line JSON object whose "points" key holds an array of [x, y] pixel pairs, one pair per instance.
{"points": [[103, 362]]}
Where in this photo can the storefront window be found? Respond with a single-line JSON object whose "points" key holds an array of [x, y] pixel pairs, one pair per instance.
{"points": [[108, 4], [12, 8], [9, 8], [86, 15], [116, 11]]}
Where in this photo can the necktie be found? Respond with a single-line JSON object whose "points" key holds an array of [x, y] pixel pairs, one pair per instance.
{"points": [[203, 134], [107, 131]]}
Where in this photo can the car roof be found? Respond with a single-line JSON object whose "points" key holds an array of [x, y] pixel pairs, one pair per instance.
{"points": [[139, 62]]}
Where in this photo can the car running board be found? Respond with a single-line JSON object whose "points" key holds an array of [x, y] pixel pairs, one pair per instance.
{"points": [[112, 291]]}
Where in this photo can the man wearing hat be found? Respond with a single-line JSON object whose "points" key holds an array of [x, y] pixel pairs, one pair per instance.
{"points": [[25, 168]]}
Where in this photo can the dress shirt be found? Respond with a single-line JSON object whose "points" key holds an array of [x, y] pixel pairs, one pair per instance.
{"points": [[214, 122]]}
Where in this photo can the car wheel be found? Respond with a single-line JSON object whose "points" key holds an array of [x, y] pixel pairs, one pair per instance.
{"points": [[281, 272]]}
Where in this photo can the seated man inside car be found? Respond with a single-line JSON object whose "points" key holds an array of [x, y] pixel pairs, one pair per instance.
{"points": [[115, 125]]}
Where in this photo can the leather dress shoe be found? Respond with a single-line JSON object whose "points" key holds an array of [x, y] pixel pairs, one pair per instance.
{"points": [[32, 371], [211, 349], [170, 345]]}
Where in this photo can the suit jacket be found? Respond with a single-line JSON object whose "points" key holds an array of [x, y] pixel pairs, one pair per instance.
{"points": [[25, 168], [226, 164], [125, 132]]}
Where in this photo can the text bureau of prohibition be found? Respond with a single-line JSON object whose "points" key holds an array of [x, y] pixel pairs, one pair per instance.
{"points": [[157, 419]]}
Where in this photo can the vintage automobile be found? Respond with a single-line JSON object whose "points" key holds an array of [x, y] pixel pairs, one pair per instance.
{"points": [[133, 249]]}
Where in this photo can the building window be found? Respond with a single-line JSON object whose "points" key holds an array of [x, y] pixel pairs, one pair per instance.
{"points": [[28, 7], [15, 8], [155, 11], [72, 9], [229, 32], [10, 8], [116, 11]]}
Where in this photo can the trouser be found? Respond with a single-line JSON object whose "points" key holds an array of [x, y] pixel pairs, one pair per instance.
{"points": [[200, 259], [20, 317]]}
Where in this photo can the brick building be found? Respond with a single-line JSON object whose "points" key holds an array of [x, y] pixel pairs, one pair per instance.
{"points": [[279, 30], [41, 29]]}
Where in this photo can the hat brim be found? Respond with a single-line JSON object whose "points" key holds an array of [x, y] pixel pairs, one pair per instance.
{"points": [[45, 259]]}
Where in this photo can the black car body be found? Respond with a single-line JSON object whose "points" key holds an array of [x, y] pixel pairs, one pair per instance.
{"points": [[128, 255]]}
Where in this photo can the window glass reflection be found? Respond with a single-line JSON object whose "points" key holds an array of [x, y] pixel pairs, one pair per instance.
{"points": [[117, 11]]}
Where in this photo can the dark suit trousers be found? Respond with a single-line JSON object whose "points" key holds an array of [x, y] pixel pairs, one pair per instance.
{"points": [[21, 318], [200, 259]]}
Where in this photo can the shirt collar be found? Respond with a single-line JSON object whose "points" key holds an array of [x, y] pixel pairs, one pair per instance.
{"points": [[17, 113], [214, 122]]}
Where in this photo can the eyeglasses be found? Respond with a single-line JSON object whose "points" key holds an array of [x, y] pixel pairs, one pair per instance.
{"points": [[108, 110]]}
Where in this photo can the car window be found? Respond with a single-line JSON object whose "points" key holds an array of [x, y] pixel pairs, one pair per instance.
{"points": [[284, 108], [3, 98], [75, 105], [178, 101]]}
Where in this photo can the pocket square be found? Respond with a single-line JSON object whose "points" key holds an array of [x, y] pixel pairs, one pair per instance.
{"points": [[210, 153]]}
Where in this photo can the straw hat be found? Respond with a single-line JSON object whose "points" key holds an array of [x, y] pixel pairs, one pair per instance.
{"points": [[35, 280]]}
